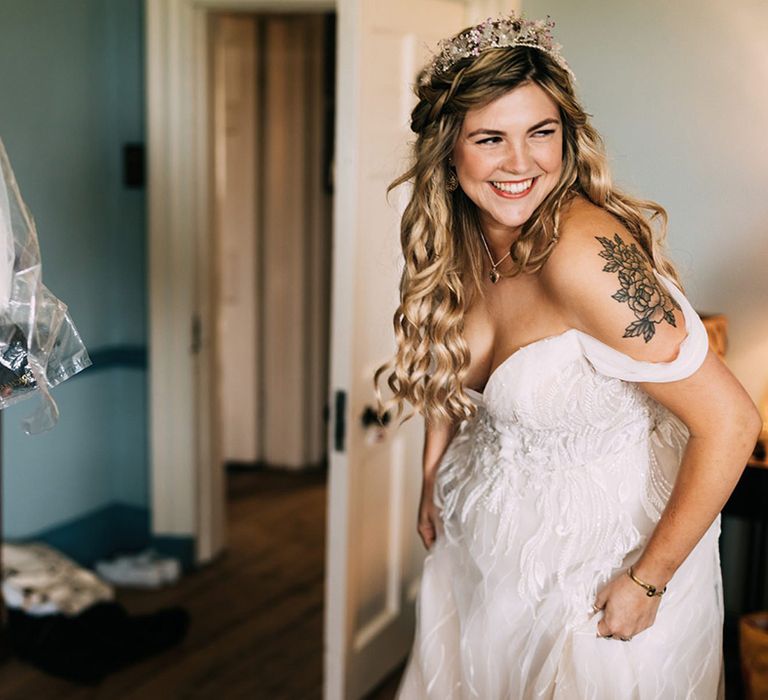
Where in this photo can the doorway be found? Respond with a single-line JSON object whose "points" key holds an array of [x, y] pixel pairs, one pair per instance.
{"points": [[271, 85], [272, 92]]}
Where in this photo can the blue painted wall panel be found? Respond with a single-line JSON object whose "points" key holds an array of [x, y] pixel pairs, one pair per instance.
{"points": [[71, 94]]}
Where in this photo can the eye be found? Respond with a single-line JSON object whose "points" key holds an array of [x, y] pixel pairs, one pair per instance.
{"points": [[546, 132], [490, 139]]}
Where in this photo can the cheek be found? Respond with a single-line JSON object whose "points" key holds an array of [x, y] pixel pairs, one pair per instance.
{"points": [[473, 164], [470, 167], [551, 157]]}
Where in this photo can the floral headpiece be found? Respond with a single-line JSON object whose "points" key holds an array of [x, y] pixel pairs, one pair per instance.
{"points": [[496, 34]]}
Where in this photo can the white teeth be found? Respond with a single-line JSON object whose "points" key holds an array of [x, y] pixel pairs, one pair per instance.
{"points": [[513, 187]]}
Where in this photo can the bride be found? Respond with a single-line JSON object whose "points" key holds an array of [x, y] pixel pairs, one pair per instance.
{"points": [[580, 438]]}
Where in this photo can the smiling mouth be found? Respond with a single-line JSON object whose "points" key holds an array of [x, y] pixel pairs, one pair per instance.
{"points": [[514, 189]]}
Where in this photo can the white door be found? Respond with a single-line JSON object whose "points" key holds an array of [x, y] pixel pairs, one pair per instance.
{"points": [[374, 555]]}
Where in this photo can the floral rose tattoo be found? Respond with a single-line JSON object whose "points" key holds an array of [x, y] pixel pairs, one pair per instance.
{"points": [[639, 288]]}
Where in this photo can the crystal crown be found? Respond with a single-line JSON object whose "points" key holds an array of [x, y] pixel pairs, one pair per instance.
{"points": [[505, 31]]}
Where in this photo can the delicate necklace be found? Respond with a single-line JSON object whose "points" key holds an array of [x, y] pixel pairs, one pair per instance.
{"points": [[494, 275]]}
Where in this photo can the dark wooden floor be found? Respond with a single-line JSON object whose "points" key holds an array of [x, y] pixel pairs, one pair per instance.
{"points": [[257, 612]]}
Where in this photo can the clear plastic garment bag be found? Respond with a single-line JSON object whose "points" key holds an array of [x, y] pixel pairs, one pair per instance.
{"points": [[39, 344]]}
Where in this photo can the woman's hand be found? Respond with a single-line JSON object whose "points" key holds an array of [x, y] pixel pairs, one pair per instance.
{"points": [[429, 515], [627, 609]]}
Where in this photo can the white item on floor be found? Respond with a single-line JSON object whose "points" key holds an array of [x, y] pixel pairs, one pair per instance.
{"points": [[146, 569], [42, 581]]}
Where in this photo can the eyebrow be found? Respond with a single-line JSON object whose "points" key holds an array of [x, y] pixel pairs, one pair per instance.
{"points": [[495, 132]]}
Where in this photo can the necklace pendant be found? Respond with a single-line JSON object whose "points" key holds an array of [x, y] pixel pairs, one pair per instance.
{"points": [[494, 275]]}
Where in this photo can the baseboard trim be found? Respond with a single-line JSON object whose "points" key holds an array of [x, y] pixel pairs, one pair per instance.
{"points": [[115, 529], [182, 547]]}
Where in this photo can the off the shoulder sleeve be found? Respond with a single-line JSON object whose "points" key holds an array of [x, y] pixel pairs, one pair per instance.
{"points": [[691, 353]]}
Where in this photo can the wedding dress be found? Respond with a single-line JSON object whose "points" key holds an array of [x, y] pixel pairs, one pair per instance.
{"points": [[547, 493]]}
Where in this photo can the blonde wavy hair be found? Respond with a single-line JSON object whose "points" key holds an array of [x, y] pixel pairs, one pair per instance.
{"points": [[440, 230]]}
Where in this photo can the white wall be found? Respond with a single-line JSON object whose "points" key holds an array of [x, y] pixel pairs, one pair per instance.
{"points": [[478, 10], [679, 92]]}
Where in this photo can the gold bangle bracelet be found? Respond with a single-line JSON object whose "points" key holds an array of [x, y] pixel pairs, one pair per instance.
{"points": [[650, 590]]}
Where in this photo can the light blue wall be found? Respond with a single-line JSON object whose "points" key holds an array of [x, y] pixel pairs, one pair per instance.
{"points": [[71, 93]]}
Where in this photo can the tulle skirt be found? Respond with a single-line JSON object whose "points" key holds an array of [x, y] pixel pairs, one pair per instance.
{"points": [[479, 636]]}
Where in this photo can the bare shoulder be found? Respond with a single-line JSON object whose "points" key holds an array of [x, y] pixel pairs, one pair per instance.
{"points": [[586, 233], [603, 283], [582, 225]]}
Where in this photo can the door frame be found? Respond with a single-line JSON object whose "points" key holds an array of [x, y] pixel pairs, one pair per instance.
{"points": [[186, 493]]}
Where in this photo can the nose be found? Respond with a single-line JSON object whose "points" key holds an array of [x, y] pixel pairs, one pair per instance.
{"points": [[517, 158]]}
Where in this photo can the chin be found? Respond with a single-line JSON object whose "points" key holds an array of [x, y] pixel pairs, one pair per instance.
{"points": [[514, 220]]}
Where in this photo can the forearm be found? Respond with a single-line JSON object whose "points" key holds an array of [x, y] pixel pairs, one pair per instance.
{"points": [[709, 471], [437, 437]]}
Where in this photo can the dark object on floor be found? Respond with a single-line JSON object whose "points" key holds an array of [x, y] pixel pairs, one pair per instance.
{"points": [[102, 639]]}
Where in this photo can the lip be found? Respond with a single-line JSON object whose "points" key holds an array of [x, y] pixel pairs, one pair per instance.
{"points": [[519, 195]]}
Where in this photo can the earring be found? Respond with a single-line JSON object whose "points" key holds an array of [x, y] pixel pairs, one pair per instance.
{"points": [[451, 182]]}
